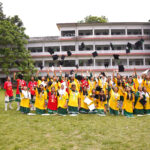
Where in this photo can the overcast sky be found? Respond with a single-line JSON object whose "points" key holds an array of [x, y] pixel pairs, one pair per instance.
{"points": [[40, 16]]}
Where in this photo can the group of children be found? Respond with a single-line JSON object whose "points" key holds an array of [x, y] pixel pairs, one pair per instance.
{"points": [[74, 94]]}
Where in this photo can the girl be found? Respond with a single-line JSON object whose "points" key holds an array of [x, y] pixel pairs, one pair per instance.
{"points": [[25, 100], [147, 98], [128, 104], [113, 102], [93, 97], [74, 100], [139, 106], [32, 85], [41, 97], [101, 104], [83, 106], [52, 101], [20, 83], [9, 93], [62, 98]]}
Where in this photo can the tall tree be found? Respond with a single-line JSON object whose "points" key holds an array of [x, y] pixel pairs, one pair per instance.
{"points": [[12, 45], [94, 19]]}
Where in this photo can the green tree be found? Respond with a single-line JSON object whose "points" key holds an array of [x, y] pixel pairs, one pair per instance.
{"points": [[94, 19], [12, 46]]}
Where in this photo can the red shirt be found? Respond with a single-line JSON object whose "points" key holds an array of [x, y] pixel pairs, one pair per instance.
{"points": [[8, 88], [84, 83], [31, 86], [52, 102], [21, 83]]}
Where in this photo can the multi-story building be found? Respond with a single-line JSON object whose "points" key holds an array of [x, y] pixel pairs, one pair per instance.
{"points": [[96, 37]]}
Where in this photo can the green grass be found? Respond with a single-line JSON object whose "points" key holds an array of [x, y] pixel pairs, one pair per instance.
{"points": [[22, 132]]}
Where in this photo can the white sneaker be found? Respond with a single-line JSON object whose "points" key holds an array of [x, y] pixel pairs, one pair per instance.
{"points": [[18, 108], [140, 115], [103, 115], [5, 109], [73, 114], [10, 107], [31, 114]]}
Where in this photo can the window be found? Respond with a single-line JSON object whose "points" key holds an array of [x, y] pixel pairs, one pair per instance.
{"points": [[37, 63], [102, 62], [70, 48], [50, 63], [101, 32], [55, 48], [136, 62], [68, 33], [147, 31], [87, 47], [35, 49], [85, 32], [134, 32], [147, 61], [117, 32], [119, 47], [69, 63], [102, 47], [147, 46], [85, 62], [121, 62]]}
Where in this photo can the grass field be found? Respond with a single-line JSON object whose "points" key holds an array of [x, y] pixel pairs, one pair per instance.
{"points": [[90, 132]]}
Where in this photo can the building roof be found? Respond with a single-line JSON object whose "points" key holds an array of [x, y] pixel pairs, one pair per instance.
{"points": [[100, 24], [43, 39]]}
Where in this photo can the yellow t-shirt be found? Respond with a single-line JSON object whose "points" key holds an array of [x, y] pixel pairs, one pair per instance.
{"points": [[147, 85], [73, 99], [101, 104], [25, 102], [92, 85], [127, 103], [113, 102], [62, 100], [147, 97], [138, 104], [83, 104], [40, 100]]}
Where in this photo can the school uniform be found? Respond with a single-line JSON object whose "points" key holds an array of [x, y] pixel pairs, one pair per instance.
{"points": [[101, 104], [113, 103], [9, 92], [139, 108], [52, 103], [128, 104], [73, 103], [21, 83], [83, 106], [62, 98], [147, 105], [40, 100], [25, 101]]}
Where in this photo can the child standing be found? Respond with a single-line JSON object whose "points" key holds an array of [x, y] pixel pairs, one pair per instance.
{"points": [[84, 107], [113, 102], [9, 93], [101, 104], [20, 83], [74, 100], [32, 85], [52, 101], [25, 100], [62, 98], [41, 97]]}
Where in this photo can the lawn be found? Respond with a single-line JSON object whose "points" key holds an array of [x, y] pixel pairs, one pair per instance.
{"points": [[22, 132]]}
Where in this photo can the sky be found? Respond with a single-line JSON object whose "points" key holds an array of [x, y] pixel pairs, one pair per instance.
{"points": [[41, 16]]}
